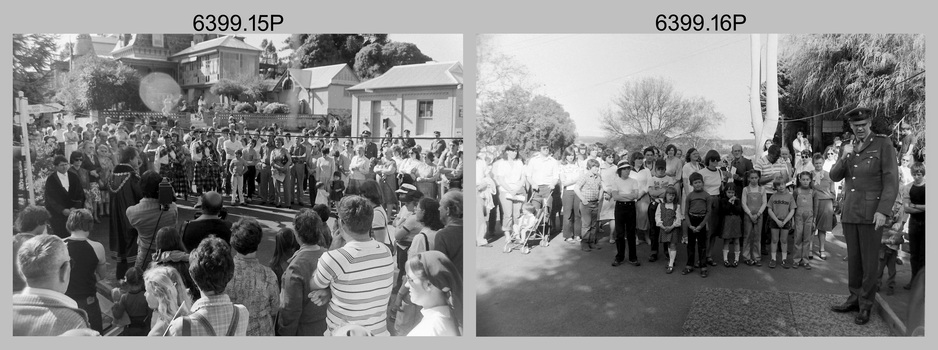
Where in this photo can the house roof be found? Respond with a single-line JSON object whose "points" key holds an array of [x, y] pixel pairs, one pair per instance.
{"points": [[317, 77], [416, 75], [228, 41], [103, 45]]}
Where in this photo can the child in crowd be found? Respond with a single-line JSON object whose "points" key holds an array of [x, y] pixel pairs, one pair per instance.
{"points": [[731, 209], [338, 189], [237, 169], [913, 200], [754, 204], [322, 197], [889, 252], [807, 202], [527, 222], [669, 218], [697, 203], [131, 301], [781, 211], [824, 220], [658, 184]]}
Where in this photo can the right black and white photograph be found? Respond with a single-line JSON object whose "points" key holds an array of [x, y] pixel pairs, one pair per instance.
{"points": [[697, 185]]}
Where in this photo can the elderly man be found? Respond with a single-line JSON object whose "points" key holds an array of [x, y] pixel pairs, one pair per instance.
{"points": [[449, 239], [871, 183], [42, 308], [739, 166], [359, 275], [209, 223]]}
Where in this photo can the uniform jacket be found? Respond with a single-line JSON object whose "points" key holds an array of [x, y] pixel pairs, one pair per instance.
{"points": [[871, 180]]}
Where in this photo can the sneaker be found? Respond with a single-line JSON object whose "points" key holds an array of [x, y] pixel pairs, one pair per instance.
{"points": [[687, 270], [757, 263], [807, 266], [711, 262], [578, 239], [771, 264], [785, 264], [703, 273], [735, 263]]}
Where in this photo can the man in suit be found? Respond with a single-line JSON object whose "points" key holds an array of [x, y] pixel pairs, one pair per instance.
{"points": [[63, 193], [870, 172], [739, 167], [42, 308]]}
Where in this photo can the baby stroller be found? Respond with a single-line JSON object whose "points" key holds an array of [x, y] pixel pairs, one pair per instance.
{"points": [[530, 228]]}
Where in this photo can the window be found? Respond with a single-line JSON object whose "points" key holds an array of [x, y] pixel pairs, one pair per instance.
{"points": [[460, 111], [425, 109], [157, 40]]}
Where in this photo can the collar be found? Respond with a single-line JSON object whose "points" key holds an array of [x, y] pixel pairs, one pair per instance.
{"points": [[210, 300], [51, 294], [442, 311]]}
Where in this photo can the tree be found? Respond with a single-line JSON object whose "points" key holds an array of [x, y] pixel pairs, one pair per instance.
{"points": [[652, 113], [497, 72], [377, 58], [96, 83], [884, 72], [313, 50], [519, 117], [229, 88], [32, 57]]}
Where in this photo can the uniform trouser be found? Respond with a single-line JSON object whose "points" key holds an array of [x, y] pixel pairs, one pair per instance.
{"points": [[863, 242], [299, 175], [916, 245], [653, 229], [696, 242], [887, 262], [752, 238], [588, 214], [804, 229], [511, 211], [249, 177], [625, 230], [266, 191], [572, 222]]}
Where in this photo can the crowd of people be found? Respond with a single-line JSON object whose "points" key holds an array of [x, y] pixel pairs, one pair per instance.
{"points": [[347, 266], [767, 209]]}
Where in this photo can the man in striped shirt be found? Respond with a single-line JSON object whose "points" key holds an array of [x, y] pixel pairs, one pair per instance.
{"points": [[770, 166], [359, 276]]}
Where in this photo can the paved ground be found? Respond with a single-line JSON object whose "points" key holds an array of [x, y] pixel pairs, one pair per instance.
{"points": [[562, 291]]}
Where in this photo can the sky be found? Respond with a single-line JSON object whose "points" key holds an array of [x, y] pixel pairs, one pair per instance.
{"points": [[440, 47], [583, 72]]}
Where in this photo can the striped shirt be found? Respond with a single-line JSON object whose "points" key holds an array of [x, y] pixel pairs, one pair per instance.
{"points": [[772, 169], [360, 276]]}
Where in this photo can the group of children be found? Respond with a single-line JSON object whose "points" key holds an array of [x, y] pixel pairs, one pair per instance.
{"points": [[806, 211]]}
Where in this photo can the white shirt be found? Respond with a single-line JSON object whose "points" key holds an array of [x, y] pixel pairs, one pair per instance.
{"points": [[543, 170], [628, 187], [437, 321], [509, 175], [231, 147], [63, 178]]}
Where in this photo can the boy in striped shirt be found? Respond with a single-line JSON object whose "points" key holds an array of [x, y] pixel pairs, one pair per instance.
{"points": [[356, 280]]}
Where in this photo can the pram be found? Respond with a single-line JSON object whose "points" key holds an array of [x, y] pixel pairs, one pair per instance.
{"points": [[539, 229]]}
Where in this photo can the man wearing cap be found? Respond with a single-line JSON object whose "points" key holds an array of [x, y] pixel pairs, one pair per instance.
{"points": [[406, 140], [625, 191], [542, 173], [871, 183], [438, 146]]}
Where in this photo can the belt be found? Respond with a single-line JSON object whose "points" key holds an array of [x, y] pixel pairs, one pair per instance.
{"points": [[593, 201], [626, 202]]}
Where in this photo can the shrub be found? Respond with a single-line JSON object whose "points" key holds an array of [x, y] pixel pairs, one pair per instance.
{"points": [[277, 108], [244, 107]]}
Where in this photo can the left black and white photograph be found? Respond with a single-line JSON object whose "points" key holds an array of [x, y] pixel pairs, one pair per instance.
{"points": [[240, 185]]}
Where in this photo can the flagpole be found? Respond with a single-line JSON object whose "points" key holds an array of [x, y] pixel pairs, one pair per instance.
{"points": [[24, 119]]}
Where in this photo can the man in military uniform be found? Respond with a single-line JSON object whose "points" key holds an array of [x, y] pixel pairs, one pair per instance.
{"points": [[871, 183]]}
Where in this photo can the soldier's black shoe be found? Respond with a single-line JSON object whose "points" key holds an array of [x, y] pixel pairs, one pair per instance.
{"points": [[845, 307], [862, 318]]}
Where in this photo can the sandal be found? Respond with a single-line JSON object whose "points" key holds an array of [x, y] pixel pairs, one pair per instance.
{"points": [[822, 256], [669, 270], [735, 263], [726, 263]]}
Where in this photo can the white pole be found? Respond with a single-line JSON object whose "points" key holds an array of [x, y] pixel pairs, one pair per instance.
{"points": [[24, 118], [755, 105]]}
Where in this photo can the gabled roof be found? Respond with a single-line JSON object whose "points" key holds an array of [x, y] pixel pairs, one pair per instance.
{"points": [[416, 75], [318, 77], [228, 41]]}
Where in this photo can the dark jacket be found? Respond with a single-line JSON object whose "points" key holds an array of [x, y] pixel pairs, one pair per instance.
{"points": [[871, 180], [298, 315]]}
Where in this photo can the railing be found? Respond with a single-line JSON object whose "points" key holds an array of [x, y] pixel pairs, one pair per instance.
{"points": [[220, 119]]}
